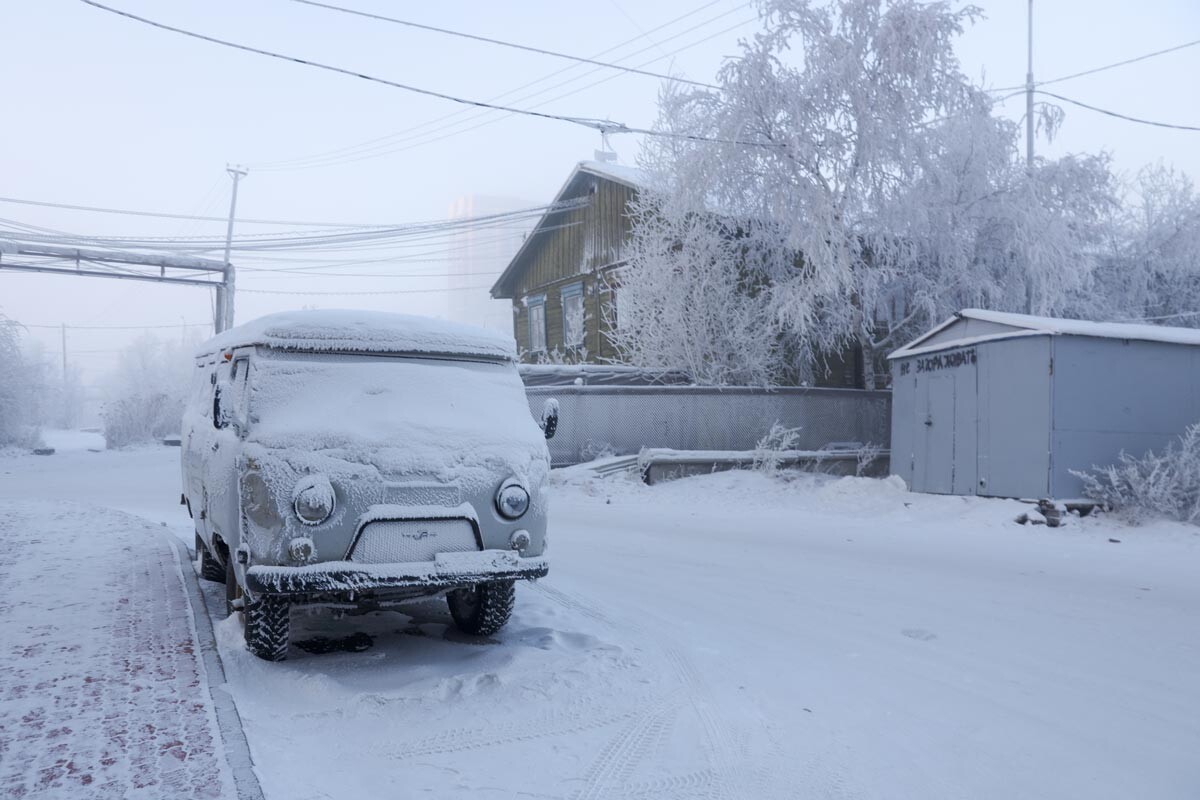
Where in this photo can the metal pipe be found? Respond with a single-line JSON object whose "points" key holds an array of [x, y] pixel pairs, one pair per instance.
{"points": [[8, 265]]}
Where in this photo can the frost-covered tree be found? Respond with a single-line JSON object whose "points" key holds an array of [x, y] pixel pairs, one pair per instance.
{"points": [[145, 395], [1152, 267], [846, 185], [21, 388]]}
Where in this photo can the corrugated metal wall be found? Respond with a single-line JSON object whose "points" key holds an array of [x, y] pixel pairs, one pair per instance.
{"points": [[1014, 417], [624, 419], [974, 420], [1116, 394]]}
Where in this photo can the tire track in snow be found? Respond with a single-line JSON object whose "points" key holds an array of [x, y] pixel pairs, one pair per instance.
{"points": [[621, 755], [692, 784], [729, 776], [457, 740], [576, 604]]}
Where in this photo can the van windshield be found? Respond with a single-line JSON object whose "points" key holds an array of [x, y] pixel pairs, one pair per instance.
{"points": [[327, 400]]}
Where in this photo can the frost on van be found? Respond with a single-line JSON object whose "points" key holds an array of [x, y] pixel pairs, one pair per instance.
{"points": [[364, 332]]}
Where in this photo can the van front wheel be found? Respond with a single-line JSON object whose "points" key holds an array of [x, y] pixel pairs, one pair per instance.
{"points": [[268, 624], [482, 609]]}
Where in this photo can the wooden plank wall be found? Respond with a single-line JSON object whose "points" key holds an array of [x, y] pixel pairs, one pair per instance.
{"points": [[591, 242]]}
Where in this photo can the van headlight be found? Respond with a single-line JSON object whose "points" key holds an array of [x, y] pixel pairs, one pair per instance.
{"points": [[313, 499], [512, 500]]}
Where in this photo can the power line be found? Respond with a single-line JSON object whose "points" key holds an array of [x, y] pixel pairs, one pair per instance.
{"points": [[502, 43], [415, 234], [390, 291], [1094, 70], [583, 121], [118, 327], [332, 156], [163, 215], [605, 126], [1117, 114], [388, 150]]}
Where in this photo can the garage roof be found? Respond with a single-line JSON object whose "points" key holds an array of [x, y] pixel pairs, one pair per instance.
{"points": [[973, 325]]}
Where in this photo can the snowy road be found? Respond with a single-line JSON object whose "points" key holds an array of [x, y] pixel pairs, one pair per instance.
{"points": [[732, 636]]}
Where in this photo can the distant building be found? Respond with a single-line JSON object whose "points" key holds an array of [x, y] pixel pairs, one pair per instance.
{"points": [[477, 256]]}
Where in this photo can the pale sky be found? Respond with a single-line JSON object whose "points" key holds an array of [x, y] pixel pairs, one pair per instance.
{"points": [[102, 111]]}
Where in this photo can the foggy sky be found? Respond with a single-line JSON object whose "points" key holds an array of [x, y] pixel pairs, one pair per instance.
{"points": [[99, 110]]}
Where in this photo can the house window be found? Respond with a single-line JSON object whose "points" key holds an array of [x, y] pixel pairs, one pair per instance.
{"points": [[537, 323], [619, 309], [572, 305]]}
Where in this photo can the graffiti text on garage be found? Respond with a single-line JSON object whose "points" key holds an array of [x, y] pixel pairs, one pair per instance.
{"points": [[939, 361]]}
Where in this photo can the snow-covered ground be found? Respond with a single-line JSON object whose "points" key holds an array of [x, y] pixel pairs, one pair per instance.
{"points": [[737, 636]]}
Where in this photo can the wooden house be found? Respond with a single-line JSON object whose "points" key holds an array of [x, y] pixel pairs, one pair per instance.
{"points": [[563, 281]]}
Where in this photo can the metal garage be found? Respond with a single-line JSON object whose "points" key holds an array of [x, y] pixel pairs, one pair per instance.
{"points": [[1006, 405]]}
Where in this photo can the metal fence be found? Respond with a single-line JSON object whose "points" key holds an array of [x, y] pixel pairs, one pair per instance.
{"points": [[621, 420]]}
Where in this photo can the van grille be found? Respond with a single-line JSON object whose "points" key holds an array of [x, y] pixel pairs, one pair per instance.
{"points": [[400, 541]]}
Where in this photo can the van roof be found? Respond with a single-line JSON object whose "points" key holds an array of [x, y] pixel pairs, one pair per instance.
{"points": [[346, 331]]}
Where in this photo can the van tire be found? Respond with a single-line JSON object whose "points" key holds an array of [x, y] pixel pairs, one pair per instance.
{"points": [[210, 568], [484, 608], [233, 591], [268, 627]]}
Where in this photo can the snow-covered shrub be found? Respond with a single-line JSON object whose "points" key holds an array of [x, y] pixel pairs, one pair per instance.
{"points": [[593, 450], [868, 454], [146, 393], [771, 449], [1155, 485]]}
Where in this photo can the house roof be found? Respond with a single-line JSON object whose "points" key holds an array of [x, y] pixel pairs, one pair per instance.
{"points": [[329, 330], [619, 173], [1004, 325]]}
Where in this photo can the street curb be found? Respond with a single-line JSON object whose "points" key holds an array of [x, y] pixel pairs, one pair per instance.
{"points": [[229, 722]]}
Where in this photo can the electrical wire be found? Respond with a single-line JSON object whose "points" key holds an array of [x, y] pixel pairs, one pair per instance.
{"points": [[117, 327], [502, 43], [383, 141], [390, 291], [373, 238], [586, 122], [196, 217], [1117, 114], [490, 118], [605, 126], [1094, 70]]}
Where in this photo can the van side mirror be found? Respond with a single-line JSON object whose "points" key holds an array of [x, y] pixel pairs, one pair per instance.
{"points": [[549, 423]]}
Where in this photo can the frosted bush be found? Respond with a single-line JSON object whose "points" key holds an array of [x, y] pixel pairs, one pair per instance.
{"points": [[868, 454], [771, 449], [147, 391], [1155, 485], [141, 417]]}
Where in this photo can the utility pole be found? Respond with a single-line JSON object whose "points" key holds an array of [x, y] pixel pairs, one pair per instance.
{"points": [[64, 349], [1029, 96], [225, 292]]}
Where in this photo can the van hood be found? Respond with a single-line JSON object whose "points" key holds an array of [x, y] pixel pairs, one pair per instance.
{"points": [[444, 419]]}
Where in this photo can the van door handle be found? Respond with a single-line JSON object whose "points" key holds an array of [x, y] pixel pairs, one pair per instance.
{"points": [[928, 423], [217, 446]]}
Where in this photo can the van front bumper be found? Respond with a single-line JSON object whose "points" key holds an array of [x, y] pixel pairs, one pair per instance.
{"points": [[349, 578]]}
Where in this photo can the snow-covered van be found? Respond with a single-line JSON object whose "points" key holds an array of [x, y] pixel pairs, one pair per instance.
{"points": [[360, 459]]}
